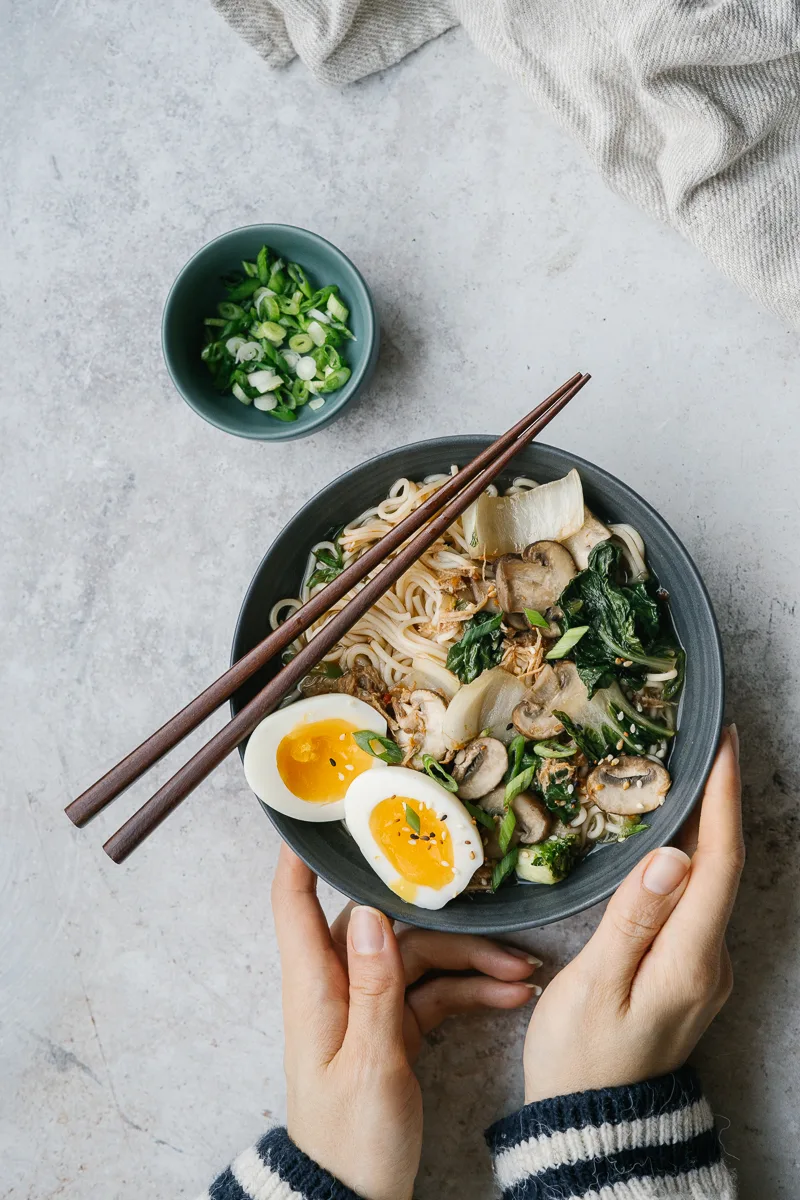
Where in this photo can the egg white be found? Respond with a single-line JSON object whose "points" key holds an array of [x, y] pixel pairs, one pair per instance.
{"points": [[369, 789], [260, 757]]}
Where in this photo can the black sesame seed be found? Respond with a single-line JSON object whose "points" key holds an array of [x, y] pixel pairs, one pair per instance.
{"points": [[332, 761]]}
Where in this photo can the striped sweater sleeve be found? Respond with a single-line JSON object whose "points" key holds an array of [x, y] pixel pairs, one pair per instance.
{"points": [[276, 1169], [647, 1141]]}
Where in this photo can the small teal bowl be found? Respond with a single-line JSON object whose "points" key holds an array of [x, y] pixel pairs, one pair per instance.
{"points": [[198, 290]]}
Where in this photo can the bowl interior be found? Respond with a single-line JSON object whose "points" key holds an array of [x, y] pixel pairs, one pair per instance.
{"points": [[328, 848], [198, 290]]}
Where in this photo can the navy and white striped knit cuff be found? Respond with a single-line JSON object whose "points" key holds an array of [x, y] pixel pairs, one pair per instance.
{"points": [[646, 1140], [276, 1169]]}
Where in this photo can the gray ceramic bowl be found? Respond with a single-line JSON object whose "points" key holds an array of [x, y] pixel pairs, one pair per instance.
{"points": [[196, 293], [329, 850]]}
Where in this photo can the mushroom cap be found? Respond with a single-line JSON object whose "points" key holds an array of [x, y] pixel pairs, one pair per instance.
{"points": [[534, 821], [534, 580], [557, 687], [629, 785], [479, 767]]}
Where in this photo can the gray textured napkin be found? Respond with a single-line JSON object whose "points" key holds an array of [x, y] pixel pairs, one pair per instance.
{"points": [[689, 108]]}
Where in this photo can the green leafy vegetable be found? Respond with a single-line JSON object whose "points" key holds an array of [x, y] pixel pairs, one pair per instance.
{"points": [[479, 814], [412, 819], [568, 641], [480, 648], [390, 752], [328, 670], [628, 628], [535, 618], [550, 861], [551, 749], [504, 868], [558, 792], [330, 563], [673, 687], [271, 302], [632, 826], [506, 830], [438, 773]]}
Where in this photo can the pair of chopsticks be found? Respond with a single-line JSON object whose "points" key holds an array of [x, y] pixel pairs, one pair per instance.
{"points": [[431, 519]]}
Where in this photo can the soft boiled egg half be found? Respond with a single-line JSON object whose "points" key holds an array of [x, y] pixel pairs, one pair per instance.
{"points": [[301, 759], [415, 835]]}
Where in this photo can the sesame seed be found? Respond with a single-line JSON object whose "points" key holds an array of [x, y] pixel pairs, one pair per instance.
{"points": [[332, 761], [342, 737], [620, 716], [639, 782], [627, 663], [472, 853], [444, 834], [620, 744], [633, 729], [341, 777], [639, 708], [598, 787], [615, 762], [349, 767], [570, 789], [626, 783], [467, 842], [639, 807]]}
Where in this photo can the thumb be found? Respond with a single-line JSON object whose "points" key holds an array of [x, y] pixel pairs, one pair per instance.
{"points": [[636, 913], [377, 984]]}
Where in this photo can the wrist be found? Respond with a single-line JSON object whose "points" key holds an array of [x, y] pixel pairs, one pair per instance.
{"points": [[583, 1142]]}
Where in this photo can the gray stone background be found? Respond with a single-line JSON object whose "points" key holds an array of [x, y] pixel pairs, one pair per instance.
{"points": [[141, 1024]]}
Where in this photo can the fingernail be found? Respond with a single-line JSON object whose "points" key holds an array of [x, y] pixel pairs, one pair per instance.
{"points": [[666, 869], [366, 931], [524, 955], [733, 734], [537, 991]]}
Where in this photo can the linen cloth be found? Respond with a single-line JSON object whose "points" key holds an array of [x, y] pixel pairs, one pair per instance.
{"points": [[688, 108]]}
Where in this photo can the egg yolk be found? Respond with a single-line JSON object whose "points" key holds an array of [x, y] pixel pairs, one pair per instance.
{"points": [[421, 859], [320, 760]]}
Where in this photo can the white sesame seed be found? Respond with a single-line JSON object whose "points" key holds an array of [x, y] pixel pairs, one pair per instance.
{"points": [[633, 729], [620, 716], [341, 777], [570, 789], [639, 782], [349, 767], [615, 762], [639, 708]]}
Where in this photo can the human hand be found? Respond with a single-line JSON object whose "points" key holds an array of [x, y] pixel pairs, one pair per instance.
{"points": [[635, 1001], [356, 1007]]}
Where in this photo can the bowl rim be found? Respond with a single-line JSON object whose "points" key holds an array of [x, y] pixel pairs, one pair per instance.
{"points": [[436, 919], [279, 431]]}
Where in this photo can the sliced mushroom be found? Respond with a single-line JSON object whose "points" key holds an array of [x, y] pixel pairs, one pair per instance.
{"points": [[557, 688], [479, 767], [535, 580], [628, 785], [534, 822], [420, 717]]}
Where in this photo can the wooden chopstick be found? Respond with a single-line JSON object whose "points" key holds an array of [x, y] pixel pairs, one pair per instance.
{"points": [[140, 760], [175, 790]]}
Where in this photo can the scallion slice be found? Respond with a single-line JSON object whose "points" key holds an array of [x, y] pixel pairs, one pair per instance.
{"points": [[567, 640]]}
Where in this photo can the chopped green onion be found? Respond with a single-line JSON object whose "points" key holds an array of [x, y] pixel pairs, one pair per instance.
{"points": [[438, 773], [265, 403], [536, 618], [412, 819], [270, 303], [335, 380], [504, 867], [515, 752], [336, 308], [519, 783], [261, 265], [231, 312], [479, 814], [390, 752], [316, 403], [506, 831], [551, 749], [567, 641]]}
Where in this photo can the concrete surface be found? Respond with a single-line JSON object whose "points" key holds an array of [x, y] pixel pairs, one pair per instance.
{"points": [[142, 1031]]}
